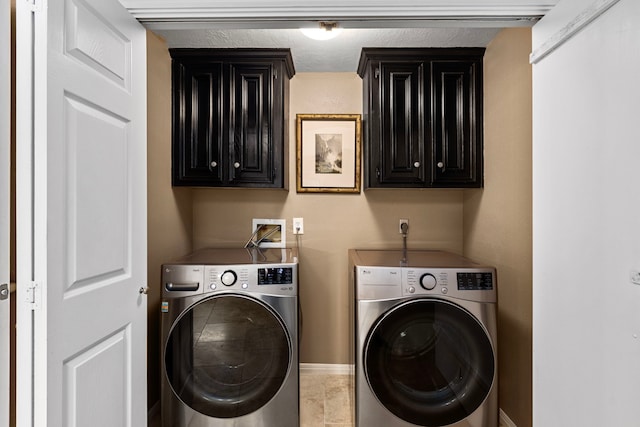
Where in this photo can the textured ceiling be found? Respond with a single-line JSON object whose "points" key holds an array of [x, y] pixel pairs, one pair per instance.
{"points": [[340, 54]]}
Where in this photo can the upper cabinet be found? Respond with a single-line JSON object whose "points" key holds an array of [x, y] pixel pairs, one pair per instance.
{"points": [[230, 117], [422, 117]]}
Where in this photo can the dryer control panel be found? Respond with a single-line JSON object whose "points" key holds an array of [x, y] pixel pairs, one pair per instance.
{"points": [[380, 283], [381, 274], [475, 281]]}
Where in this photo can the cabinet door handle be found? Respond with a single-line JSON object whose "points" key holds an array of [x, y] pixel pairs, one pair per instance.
{"points": [[214, 164], [236, 165], [416, 164], [440, 165]]}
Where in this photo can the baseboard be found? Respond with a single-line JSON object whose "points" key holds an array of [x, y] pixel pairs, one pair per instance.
{"points": [[505, 421], [325, 369]]}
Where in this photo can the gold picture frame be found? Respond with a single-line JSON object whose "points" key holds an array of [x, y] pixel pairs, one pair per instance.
{"points": [[328, 153]]}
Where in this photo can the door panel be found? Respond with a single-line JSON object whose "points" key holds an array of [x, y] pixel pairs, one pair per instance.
{"points": [[5, 168], [96, 138], [457, 123], [104, 363], [251, 156], [198, 155], [85, 183], [402, 157]]}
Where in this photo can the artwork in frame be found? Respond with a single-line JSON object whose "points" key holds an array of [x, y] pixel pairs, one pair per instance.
{"points": [[328, 153]]}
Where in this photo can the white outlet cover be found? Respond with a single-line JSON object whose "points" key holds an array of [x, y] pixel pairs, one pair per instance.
{"points": [[277, 239]]}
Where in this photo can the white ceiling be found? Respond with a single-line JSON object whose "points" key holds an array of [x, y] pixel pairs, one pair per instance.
{"points": [[340, 54], [366, 23]]}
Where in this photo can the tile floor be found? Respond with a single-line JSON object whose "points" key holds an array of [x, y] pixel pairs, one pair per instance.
{"points": [[325, 401]]}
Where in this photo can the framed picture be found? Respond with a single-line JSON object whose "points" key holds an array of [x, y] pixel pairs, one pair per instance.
{"points": [[328, 153]]}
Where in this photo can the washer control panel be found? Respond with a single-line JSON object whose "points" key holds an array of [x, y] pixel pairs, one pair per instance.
{"points": [[472, 284], [266, 279], [185, 280]]}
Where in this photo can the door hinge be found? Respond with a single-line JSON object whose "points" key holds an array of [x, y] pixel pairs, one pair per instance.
{"points": [[275, 74], [34, 5], [376, 73], [33, 295]]}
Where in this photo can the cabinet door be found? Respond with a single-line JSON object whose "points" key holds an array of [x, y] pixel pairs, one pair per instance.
{"points": [[457, 123], [397, 153], [198, 117], [251, 155]]}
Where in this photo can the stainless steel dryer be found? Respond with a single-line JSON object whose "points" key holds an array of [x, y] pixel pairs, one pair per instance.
{"points": [[230, 339], [425, 340]]}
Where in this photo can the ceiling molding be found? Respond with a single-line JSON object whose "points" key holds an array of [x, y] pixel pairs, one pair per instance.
{"points": [[587, 16], [350, 13]]}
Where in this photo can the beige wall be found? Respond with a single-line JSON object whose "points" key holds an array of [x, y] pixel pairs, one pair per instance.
{"points": [[333, 222], [497, 219], [169, 209]]}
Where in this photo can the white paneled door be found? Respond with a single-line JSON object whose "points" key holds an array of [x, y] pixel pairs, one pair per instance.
{"points": [[81, 159], [5, 168]]}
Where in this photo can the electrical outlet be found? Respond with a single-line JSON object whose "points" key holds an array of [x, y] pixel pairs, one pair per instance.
{"points": [[402, 221], [298, 226]]}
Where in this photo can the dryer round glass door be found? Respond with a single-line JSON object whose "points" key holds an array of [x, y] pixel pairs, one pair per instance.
{"points": [[227, 356], [429, 362]]}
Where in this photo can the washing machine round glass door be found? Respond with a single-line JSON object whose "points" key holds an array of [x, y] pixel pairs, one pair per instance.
{"points": [[429, 362], [227, 356]]}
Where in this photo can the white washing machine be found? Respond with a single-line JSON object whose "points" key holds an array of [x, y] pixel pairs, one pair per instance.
{"points": [[230, 339], [425, 340]]}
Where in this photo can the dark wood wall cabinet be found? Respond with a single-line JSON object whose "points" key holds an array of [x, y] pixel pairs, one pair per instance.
{"points": [[230, 117], [422, 117]]}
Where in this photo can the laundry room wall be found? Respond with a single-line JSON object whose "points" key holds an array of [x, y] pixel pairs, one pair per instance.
{"points": [[168, 209], [490, 224], [497, 218], [586, 222], [333, 223]]}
